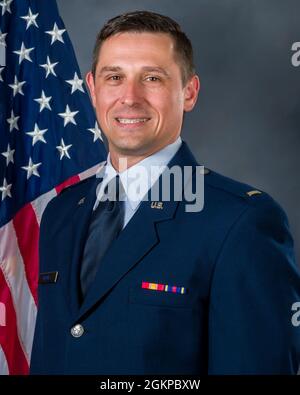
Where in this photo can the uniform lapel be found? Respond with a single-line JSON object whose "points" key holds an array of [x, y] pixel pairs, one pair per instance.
{"points": [[83, 207]]}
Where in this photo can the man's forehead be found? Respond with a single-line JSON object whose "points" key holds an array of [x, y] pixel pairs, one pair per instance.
{"points": [[142, 68], [140, 42], [145, 50]]}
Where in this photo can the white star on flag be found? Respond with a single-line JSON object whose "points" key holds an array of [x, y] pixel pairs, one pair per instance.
{"points": [[5, 4], [9, 155], [97, 132], [44, 101], [2, 38], [5, 189], [32, 169], [24, 53], [1, 69], [17, 86], [30, 19], [68, 116], [76, 83], [13, 121], [37, 134], [49, 67], [63, 149], [56, 34]]}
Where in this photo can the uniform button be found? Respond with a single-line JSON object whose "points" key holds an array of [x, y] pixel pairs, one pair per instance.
{"points": [[77, 330]]}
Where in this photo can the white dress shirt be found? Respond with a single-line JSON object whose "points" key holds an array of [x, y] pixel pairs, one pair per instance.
{"points": [[137, 179]]}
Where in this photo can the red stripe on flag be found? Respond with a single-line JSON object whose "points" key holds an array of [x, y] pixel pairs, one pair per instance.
{"points": [[70, 181], [27, 232], [9, 339]]}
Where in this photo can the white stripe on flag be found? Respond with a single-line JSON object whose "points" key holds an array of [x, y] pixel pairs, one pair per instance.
{"points": [[3, 364], [13, 269]]}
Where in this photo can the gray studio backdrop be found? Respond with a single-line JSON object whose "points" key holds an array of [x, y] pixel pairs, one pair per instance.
{"points": [[247, 121]]}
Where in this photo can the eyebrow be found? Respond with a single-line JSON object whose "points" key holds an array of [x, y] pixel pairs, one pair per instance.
{"points": [[149, 69], [107, 69], [159, 70]]}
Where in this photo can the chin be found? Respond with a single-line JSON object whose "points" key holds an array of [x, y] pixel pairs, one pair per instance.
{"points": [[132, 148]]}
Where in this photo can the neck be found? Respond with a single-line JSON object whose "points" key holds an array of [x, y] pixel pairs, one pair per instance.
{"points": [[122, 160]]}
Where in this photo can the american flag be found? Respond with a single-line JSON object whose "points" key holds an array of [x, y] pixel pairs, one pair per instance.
{"points": [[49, 138]]}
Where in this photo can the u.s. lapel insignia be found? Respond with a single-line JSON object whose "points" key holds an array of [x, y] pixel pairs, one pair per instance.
{"points": [[81, 201], [158, 205]]}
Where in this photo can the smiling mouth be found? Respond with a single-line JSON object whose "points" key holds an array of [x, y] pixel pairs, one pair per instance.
{"points": [[126, 121]]}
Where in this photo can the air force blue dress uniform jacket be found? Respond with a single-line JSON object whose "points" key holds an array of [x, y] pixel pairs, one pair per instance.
{"points": [[233, 261]]}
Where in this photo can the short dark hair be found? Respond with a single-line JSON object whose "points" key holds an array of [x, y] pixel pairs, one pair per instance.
{"points": [[146, 21]]}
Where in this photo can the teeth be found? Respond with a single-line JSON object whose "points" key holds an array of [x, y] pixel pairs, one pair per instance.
{"points": [[132, 120]]}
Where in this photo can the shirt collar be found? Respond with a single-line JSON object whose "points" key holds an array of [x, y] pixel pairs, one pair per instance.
{"points": [[139, 178]]}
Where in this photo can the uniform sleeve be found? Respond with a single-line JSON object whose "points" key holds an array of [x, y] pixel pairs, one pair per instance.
{"points": [[255, 283]]}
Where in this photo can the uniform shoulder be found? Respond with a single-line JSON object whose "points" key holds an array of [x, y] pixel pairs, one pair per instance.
{"points": [[78, 185], [68, 195], [235, 189]]}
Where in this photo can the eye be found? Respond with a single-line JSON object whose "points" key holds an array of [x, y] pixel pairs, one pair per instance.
{"points": [[114, 78], [152, 78]]}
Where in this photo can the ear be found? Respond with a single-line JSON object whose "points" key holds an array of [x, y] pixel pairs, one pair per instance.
{"points": [[91, 84], [191, 91]]}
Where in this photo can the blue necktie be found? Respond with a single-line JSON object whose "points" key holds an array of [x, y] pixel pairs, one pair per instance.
{"points": [[105, 225]]}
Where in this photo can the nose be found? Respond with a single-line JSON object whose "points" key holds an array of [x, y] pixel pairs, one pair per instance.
{"points": [[132, 93]]}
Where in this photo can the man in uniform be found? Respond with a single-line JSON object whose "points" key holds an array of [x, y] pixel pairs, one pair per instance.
{"points": [[138, 286]]}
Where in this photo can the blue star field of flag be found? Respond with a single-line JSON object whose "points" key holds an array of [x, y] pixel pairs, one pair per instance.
{"points": [[48, 129]]}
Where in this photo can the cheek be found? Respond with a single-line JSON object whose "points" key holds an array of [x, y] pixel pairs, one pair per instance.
{"points": [[103, 104], [171, 107], [105, 96]]}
